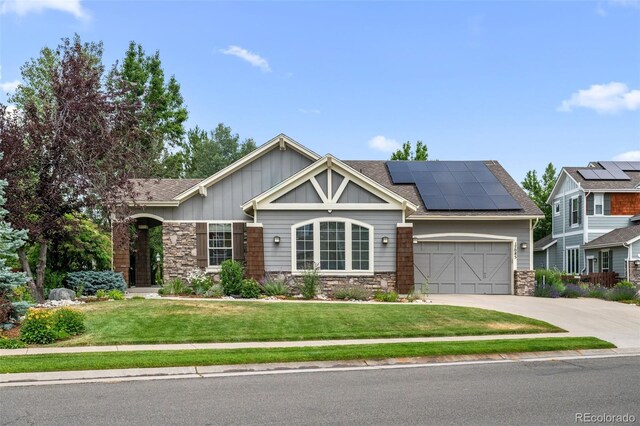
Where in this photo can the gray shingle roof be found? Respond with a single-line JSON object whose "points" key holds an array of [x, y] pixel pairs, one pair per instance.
{"points": [[604, 184], [615, 237], [161, 189], [377, 170], [543, 242]]}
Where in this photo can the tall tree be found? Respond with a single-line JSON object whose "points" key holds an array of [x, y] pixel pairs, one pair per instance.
{"points": [[206, 153], [405, 153], [71, 149], [163, 111], [10, 241], [539, 191]]}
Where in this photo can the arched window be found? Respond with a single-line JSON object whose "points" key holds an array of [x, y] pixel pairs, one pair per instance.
{"points": [[334, 245]]}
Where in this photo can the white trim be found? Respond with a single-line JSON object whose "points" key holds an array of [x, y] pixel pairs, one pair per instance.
{"points": [[547, 246], [576, 224], [586, 263], [595, 198], [148, 215], [340, 190], [215, 268], [566, 266], [531, 244], [347, 246], [254, 225], [557, 204], [281, 140], [553, 195], [151, 203], [208, 221], [316, 186], [265, 200], [404, 225], [445, 217], [609, 265], [480, 237], [567, 234]]}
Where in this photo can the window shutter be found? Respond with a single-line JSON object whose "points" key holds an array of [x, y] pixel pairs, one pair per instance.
{"points": [[579, 210], [590, 199], [201, 245], [570, 215], [610, 260], [607, 204], [238, 240], [599, 261]]}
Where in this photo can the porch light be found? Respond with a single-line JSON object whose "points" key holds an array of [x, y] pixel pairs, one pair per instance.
{"points": [[524, 246], [415, 240], [276, 240], [385, 240], [636, 262]]}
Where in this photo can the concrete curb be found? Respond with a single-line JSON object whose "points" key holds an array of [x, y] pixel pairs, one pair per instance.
{"points": [[91, 376]]}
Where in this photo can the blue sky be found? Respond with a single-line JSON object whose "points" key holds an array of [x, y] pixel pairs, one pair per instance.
{"points": [[524, 83]]}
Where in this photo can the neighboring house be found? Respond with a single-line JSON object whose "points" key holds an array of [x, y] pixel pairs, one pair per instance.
{"points": [[595, 221], [465, 227]]}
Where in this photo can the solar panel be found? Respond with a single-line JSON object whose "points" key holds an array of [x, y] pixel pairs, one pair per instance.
{"points": [[603, 174], [453, 185], [588, 174], [635, 165], [611, 170]]}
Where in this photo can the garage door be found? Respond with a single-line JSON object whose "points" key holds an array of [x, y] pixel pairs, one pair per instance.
{"points": [[470, 268]]}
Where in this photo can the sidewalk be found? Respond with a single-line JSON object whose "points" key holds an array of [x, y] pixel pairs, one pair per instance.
{"points": [[283, 344]]}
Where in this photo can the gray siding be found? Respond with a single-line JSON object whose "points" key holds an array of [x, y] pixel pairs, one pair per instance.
{"points": [[619, 254], [508, 228], [304, 193], [323, 181], [561, 245], [635, 250], [354, 193], [225, 197], [336, 180], [275, 222], [600, 225], [560, 224], [540, 260]]}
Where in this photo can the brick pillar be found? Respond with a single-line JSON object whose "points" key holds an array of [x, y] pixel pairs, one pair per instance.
{"points": [[254, 256], [404, 259], [120, 247], [143, 258]]}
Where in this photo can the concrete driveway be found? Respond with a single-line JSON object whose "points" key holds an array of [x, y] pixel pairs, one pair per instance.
{"points": [[614, 322]]}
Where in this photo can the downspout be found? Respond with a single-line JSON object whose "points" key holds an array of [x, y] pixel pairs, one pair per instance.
{"points": [[533, 225], [585, 227], [628, 267]]}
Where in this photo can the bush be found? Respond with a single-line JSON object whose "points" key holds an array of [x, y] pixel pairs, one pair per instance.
{"points": [[115, 295], [385, 296], [68, 322], [199, 281], [215, 291], [20, 309], [38, 327], [597, 292], [250, 289], [101, 294], [573, 291], [352, 293], [22, 294], [310, 283], [274, 286], [548, 276], [552, 290], [231, 277], [175, 287], [92, 281], [53, 279], [6, 343], [624, 290]]}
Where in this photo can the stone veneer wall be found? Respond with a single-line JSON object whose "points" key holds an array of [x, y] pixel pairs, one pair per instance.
{"points": [[383, 281], [634, 274], [180, 253], [524, 283]]}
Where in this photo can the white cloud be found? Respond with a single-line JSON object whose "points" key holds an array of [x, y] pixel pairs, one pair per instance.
{"points": [[9, 86], [604, 98], [628, 156], [384, 144], [23, 7], [309, 111], [253, 58]]}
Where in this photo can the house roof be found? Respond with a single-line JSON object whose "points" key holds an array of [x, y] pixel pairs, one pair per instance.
{"points": [[161, 189], [616, 237], [612, 185], [635, 218], [377, 170], [544, 243]]}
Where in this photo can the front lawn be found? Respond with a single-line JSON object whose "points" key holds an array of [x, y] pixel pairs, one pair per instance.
{"points": [[171, 321], [148, 359]]}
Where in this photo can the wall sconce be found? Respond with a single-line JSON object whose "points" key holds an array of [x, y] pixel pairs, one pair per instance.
{"points": [[636, 262], [276, 240], [385, 240], [524, 246], [415, 240]]}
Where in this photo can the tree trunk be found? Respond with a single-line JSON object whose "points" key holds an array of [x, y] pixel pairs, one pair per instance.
{"points": [[27, 270], [41, 266]]}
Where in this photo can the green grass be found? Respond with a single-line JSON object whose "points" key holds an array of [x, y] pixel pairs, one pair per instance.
{"points": [[148, 359], [170, 321]]}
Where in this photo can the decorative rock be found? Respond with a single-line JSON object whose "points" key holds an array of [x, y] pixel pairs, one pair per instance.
{"points": [[62, 294]]}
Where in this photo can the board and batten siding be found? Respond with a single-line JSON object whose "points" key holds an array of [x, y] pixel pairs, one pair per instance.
{"points": [[277, 257], [507, 228], [225, 197]]}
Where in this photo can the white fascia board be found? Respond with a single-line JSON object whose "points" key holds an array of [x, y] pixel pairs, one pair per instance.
{"points": [[553, 191], [258, 152], [547, 246], [155, 203], [443, 217]]}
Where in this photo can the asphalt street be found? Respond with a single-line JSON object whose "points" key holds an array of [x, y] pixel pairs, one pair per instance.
{"points": [[540, 393]]}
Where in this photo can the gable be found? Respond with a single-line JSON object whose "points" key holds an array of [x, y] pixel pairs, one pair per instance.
{"points": [[564, 184], [304, 193], [354, 193]]}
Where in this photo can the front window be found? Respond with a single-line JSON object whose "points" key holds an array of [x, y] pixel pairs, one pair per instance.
{"points": [[220, 243], [573, 261], [575, 212], [333, 245], [556, 208], [598, 204], [605, 261]]}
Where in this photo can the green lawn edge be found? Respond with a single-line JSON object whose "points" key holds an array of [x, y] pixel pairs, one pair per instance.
{"points": [[191, 358]]}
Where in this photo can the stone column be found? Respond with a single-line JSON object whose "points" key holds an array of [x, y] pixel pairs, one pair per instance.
{"points": [[255, 251], [404, 258], [524, 282], [143, 257], [180, 249], [634, 274], [120, 249]]}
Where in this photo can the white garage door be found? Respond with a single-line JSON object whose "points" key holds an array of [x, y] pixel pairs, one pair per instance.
{"points": [[469, 268]]}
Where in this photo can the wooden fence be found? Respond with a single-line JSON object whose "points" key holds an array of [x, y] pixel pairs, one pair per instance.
{"points": [[605, 279]]}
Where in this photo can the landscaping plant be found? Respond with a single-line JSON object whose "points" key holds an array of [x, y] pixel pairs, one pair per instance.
{"points": [[310, 283], [352, 293], [199, 281], [624, 290], [91, 281], [216, 291], [101, 294], [38, 327], [250, 289], [68, 322], [175, 287], [553, 290], [115, 295], [231, 277], [275, 286], [385, 296], [573, 291], [597, 292], [6, 343]]}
